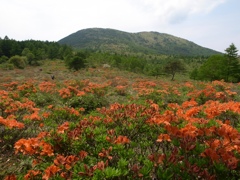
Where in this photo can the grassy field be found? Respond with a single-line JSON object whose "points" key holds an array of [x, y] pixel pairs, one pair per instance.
{"points": [[103, 123]]}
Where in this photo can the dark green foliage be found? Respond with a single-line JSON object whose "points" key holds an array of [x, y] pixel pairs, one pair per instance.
{"points": [[213, 69], [33, 50], [77, 61], [18, 61], [109, 40], [3, 59], [232, 64], [88, 102], [29, 55], [7, 66], [173, 67], [194, 74], [152, 69], [220, 67]]}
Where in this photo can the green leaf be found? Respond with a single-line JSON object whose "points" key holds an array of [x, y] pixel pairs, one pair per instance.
{"points": [[147, 168], [111, 172], [122, 163]]}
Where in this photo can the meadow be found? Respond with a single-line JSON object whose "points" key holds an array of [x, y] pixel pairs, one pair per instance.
{"points": [[103, 123]]}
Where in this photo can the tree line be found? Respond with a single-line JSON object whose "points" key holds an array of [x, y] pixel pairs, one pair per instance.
{"points": [[30, 52], [151, 66], [216, 67]]}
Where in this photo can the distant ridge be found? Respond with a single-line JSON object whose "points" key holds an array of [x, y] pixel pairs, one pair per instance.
{"points": [[110, 40]]}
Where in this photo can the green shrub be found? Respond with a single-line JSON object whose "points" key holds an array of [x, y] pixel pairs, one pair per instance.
{"points": [[18, 61], [7, 66], [43, 99], [77, 61], [3, 59], [88, 102]]}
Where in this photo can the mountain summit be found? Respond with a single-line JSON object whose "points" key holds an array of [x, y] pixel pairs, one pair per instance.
{"points": [[110, 40]]}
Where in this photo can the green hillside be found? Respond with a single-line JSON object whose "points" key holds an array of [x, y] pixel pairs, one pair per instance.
{"points": [[109, 40]]}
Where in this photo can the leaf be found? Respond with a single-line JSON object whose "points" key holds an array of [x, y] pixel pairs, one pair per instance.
{"points": [[111, 172]]}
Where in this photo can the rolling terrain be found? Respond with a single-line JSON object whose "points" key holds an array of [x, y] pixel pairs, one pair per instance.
{"points": [[115, 41]]}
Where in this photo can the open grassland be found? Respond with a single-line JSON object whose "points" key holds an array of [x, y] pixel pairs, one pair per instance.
{"points": [[103, 123]]}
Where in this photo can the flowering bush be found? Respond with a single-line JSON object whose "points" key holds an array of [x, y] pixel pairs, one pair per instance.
{"points": [[163, 130]]}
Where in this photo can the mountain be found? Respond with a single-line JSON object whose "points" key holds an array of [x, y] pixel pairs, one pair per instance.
{"points": [[110, 40]]}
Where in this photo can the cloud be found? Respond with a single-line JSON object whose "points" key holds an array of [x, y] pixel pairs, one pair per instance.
{"points": [[54, 19], [176, 11]]}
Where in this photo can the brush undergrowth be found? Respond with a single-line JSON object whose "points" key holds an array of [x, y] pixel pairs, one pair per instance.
{"points": [[108, 124]]}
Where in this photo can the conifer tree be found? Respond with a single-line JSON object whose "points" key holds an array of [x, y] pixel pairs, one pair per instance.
{"points": [[232, 64]]}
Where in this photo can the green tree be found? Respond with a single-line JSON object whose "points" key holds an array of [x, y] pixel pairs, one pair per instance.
{"points": [[194, 74], [6, 44], [173, 67], [153, 70], [232, 64], [29, 55], [213, 69], [40, 54], [77, 61]]}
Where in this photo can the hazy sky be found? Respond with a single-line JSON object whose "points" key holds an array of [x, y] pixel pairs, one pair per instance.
{"points": [[214, 24]]}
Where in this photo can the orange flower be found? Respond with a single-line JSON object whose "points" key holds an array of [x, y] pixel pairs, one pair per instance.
{"points": [[59, 160], [82, 154], [65, 93], [214, 145], [33, 146], [73, 111], [122, 140], [106, 153], [10, 177], [163, 137], [81, 93], [10, 123], [50, 171], [157, 158], [41, 125], [192, 111], [232, 163], [100, 165], [63, 127], [46, 149], [35, 162], [189, 130], [50, 106], [46, 114], [190, 103], [31, 174], [46, 86], [212, 154]]}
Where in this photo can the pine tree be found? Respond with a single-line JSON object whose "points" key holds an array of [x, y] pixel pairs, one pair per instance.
{"points": [[232, 64]]}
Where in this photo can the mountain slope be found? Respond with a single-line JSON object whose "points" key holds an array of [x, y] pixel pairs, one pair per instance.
{"points": [[143, 42]]}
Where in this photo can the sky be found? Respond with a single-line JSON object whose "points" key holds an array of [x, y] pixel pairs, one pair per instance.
{"points": [[214, 24]]}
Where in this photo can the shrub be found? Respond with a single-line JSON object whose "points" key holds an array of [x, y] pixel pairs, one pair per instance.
{"points": [[3, 59], [7, 66], [76, 62], [89, 102], [18, 61]]}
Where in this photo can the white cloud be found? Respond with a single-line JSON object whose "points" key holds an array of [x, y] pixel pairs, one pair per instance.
{"points": [[176, 11], [54, 19]]}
